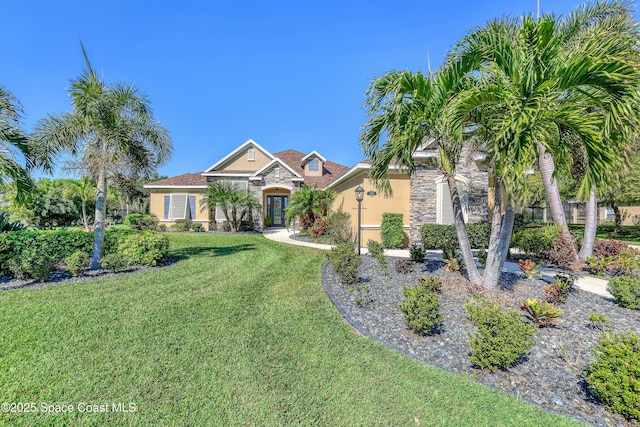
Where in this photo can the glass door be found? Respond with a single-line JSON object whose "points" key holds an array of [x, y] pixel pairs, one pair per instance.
{"points": [[276, 206]]}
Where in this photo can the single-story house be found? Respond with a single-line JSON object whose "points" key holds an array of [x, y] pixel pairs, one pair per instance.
{"points": [[273, 178]]}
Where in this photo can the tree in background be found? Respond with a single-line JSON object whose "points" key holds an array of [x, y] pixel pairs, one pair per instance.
{"points": [[84, 189], [108, 123], [13, 142]]}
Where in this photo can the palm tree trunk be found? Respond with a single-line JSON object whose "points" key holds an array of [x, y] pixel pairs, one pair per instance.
{"points": [[461, 230], [492, 268], [547, 167], [505, 235], [85, 220], [98, 227], [590, 225]]}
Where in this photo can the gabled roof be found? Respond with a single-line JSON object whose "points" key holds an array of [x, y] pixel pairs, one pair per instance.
{"points": [[241, 148], [313, 153], [330, 172], [273, 162], [187, 180]]}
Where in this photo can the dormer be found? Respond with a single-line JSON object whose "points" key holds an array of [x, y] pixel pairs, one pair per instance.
{"points": [[313, 164]]}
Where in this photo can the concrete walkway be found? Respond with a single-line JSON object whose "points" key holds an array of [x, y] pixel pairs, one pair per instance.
{"points": [[586, 283]]}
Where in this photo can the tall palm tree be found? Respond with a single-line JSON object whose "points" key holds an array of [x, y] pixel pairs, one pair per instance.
{"points": [[405, 110], [13, 141], [108, 123], [544, 79]]}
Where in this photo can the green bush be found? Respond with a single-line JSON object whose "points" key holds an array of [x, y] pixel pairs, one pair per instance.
{"points": [[141, 222], [148, 248], [77, 263], [113, 237], [614, 375], [404, 266], [421, 308], [501, 337], [417, 253], [479, 234], [626, 291], [391, 230], [7, 225], [32, 264], [197, 227], [375, 248], [181, 225], [439, 236], [536, 242], [345, 262], [115, 262], [339, 227]]}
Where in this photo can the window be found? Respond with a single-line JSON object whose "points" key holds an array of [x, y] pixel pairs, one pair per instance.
{"points": [[251, 154], [444, 208], [313, 165], [240, 185], [167, 204], [179, 206], [192, 207], [276, 172], [610, 215]]}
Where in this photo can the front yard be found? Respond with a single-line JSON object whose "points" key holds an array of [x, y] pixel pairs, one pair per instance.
{"points": [[238, 332]]}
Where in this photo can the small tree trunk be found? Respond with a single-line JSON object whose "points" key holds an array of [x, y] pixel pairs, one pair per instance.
{"points": [[461, 230], [100, 214], [591, 213], [85, 220], [505, 235], [617, 228], [547, 167], [492, 268]]}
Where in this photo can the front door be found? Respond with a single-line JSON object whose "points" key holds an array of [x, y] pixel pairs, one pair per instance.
{"points": [[276, 206]]}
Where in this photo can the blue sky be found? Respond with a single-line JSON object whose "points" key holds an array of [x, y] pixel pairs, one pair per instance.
{"points": [[288, 74]]}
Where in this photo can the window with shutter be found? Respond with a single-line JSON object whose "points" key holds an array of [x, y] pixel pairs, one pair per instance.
{"points": [[444, 208], [167, 204], [192, 207], [178, 209]]}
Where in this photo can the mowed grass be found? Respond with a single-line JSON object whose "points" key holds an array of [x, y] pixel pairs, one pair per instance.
{"points": [[238, 332]]}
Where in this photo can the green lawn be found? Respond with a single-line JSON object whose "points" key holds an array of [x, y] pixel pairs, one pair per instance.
{"points": [[238, 332], [630, 233]]}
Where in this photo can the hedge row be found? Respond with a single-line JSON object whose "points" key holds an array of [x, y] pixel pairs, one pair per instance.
{"points": [[440, 236]]}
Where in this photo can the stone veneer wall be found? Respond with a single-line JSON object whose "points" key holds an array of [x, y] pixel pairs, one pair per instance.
{"points": [[269, 178], [423, 193]]}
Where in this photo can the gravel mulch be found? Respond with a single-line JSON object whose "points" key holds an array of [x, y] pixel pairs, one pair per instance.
{"points": [[551, 376]]}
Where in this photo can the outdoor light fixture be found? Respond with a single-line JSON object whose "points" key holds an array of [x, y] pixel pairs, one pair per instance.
{"points": [[359, 199]]}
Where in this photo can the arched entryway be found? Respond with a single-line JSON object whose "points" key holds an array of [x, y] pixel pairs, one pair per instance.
{"points": [[275, 202]]}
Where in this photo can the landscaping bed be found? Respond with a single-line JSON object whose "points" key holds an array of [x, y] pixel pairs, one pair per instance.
{"points": [[551, 376]]}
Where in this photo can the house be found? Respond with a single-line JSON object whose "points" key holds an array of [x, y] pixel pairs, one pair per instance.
{"points": [[273, 178]]}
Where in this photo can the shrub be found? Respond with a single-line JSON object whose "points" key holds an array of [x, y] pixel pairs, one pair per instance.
{"points": [[598, 265], [529, 268], [608, 248], [7, 225], [540, 313], [319, 227], [339, 227], [597, 321], [77, 263], [479, 234], [482, 257], [197, 227], [556, 292], [114, 262], [432, 283], [536, 242], [417, 253], [449, 253], [404, 266], [626, 261], [421, 308], [181, 225], [501, 337], [361, 295], [626, 291], [391, 230], [345, 262], [148, 248], [614, 375], [32, 264], [439, 236], [141, 222], [377, 251], [453, 264], [562, 250], [162, 227]]}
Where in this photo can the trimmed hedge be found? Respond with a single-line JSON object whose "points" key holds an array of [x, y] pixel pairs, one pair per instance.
{"points": [[441, 236], [391, 230]]}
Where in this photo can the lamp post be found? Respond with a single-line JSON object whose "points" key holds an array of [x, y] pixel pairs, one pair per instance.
{"points": [[359, 198]]}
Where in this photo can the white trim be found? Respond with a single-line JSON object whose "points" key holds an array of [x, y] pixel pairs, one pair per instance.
{"points": [[359, 167], [274, 161], [175, 186], [424, 154], [226, 174], [378, 226], [312, 153], [217, 164], [271, 186]]}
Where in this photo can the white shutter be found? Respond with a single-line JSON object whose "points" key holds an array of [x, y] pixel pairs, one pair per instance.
{"points": [[179, 204], [444, 214], [219, 213]]}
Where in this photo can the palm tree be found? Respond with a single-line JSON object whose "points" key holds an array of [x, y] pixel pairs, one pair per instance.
{"points": [[235, 204], [409, 109], [547, 81], [308, 203], [13, 141], [84, 188], [107, 124]]}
